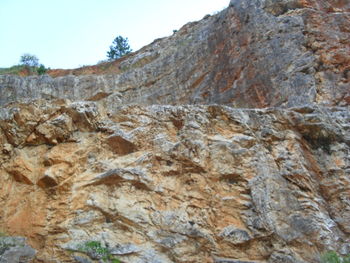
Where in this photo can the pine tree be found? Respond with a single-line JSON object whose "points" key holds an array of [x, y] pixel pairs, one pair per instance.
{"points": [[120, 47]]}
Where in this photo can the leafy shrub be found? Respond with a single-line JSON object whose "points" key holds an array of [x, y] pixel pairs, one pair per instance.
{"points": [[95, 250], [41, 70], [31, 64], [333, 257]]}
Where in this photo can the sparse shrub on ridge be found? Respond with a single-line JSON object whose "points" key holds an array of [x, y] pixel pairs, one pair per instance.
{"points": [[41, 70]]}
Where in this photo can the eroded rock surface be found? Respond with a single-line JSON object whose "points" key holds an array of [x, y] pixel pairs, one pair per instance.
{"points": [[255, 53], [15, 250], [201, 183], [258, 171]]}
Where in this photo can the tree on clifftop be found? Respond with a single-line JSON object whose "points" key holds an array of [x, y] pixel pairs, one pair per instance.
{"points": [[119, 48], [29, 60], [31, 64]]}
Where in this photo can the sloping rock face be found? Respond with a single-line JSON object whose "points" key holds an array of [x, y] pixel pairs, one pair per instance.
{"points": [[15, 250], [255, 53], [258, 171], [176, 183]]}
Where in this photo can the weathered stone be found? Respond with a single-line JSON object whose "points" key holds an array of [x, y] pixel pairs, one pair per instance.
{"points": [[47, 181], [15, 250], [124, 249], [135, 176], [81, 259], [227, 260], [279, 7], [280, 257], [256, 53], [234, 235], [205, 183], [120, 143], [191, 183]]}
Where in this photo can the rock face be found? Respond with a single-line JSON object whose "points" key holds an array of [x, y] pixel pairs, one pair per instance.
{"points": [[255, 53], [15, 250], [176, 183], [254, 169]]}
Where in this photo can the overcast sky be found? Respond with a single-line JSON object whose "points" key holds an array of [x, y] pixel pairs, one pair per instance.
{"points": [[72, 33]]}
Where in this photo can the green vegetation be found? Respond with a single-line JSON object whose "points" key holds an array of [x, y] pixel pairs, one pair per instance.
{"points": [[41, 70], [29, 60], [14, 70], [29, 65], [95, 250], [333, 257], [120, 47]]}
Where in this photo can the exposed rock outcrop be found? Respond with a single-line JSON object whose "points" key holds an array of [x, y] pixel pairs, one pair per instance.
{"points": [[15, 250], [255, 53], [255, 169], [201, 183]]}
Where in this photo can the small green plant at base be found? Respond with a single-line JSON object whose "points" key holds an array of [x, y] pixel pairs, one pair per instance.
{"points": [[95, 250], [333, 257]]}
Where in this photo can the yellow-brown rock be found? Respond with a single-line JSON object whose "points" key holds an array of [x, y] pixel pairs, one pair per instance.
{"points": [[201, 183], [140, 164]]}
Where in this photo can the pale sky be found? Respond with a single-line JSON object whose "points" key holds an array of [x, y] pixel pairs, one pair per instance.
{"points": [[72, 33]]}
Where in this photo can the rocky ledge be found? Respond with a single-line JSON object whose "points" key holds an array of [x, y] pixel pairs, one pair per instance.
{"points": [[176, 183], [254, 54]]}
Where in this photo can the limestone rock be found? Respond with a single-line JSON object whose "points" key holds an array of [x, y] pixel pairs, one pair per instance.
{"points": [[120, 143], [203, 184], [256, 53], [247, 161], [15, 250], [234, 235]]}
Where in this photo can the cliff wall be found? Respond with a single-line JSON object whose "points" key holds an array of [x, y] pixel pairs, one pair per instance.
{"points": [[253, 54], [228, 142], [177, 184]]}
